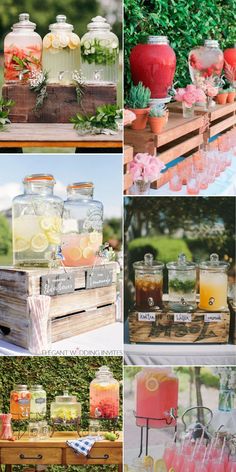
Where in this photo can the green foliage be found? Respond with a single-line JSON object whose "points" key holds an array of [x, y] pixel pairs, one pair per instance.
{"points": [[139, 96], [112, 229], [5, 236], [163, 248], [187, 23], [5, 107], [158, 111], [104, 118], [39, 86]]}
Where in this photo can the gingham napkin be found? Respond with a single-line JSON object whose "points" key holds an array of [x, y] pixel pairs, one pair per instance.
{"points": [[84, 445]]}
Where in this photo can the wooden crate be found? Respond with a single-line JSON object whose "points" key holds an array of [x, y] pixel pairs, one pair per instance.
{"points": [[60, 105], [128, 157], [232, 333], [164, 329], [71, 314]]}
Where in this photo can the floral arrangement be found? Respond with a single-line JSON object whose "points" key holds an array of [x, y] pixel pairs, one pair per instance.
{"points": [[145, 167], [209, 86], [129, 116], [38, 84], [190, 95]]}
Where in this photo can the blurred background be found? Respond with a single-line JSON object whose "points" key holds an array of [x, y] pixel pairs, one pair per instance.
{"points": [[66, 169], [168, 226]]}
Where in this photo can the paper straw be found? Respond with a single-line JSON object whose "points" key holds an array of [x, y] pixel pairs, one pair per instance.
{"points": [[222, 450], [194, 450], [204, 457]]}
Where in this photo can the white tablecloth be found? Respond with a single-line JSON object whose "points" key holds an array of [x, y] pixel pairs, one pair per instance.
{"points": [[100, 342], [224, 185]]}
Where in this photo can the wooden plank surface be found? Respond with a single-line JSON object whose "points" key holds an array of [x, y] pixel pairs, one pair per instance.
{"points": [[127, 182], [128, 154], [54, 135], [214, 113], [181, 149], [58, 440], [177, 127], [222, 125]]}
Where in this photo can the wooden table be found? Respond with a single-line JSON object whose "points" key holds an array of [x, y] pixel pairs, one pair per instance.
{"points": [[54, 135], [55, 451]]}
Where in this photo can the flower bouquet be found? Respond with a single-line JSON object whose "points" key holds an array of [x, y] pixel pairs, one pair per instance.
{"points": [[189, 96], [144, 170]]}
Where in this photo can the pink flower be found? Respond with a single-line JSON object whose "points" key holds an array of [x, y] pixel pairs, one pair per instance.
{"points": [[146, 167], [179, 94], [129, 116], [211, 91], [190, 95]]}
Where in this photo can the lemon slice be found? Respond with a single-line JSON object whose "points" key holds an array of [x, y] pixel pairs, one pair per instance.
{"points": [[57, 224], [75, 253], [53, 237], [21, 244], [46, 223], [95, 237], [39, 242], [160, 466], [151, 384], [88, 252], [74, 39], [84, 241], [148, 462], [47, 41]]}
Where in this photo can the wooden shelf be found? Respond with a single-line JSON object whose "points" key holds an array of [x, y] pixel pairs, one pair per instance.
{"points": [[128, 157]]}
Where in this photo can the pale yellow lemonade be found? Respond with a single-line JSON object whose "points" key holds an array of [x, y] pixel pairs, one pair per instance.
{"points": [[213, 291]]}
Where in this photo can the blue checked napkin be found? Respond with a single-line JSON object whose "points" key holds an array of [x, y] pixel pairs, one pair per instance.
{"points": [[83, 445]]}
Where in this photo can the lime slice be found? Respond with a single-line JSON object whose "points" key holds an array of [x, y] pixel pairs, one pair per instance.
{"points": [[160, 466], [21, 244], [46, 223], [152, 384], [39, 242], [148, 462], [53, 237]]}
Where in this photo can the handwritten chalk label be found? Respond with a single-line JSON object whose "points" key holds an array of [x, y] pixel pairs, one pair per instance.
{"points": [[146, 316], [99, 277], [182, 317], [212, 317], [57, 284]]}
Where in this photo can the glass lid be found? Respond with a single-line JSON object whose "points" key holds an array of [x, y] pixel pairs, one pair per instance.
{"points": [[211, 43], [98, 22], [181, 263], [47, 178], [20, 387], [157, 40], [104, 370], [214, 264], [148, 264], [24, 22], [78, 185], [66, 398], [61, 24]]}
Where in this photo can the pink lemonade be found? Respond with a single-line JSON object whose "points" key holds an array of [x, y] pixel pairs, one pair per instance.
{"points": [[168, 455], [156, 394], [80, 249]]}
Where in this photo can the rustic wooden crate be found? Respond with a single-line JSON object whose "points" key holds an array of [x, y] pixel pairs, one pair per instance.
{"points": [[60, 105], [128, 157], [166, 330], [71, 314], [232, 334]]}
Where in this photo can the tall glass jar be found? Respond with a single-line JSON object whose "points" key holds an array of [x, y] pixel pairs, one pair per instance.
{"points": [[156, 397], [104, 395], [38, 402], [20, 402], [36, 219], [66, 409], [82, 225], [22, 51], [213, 284], [182, 284], [148, 283], [100, 52], [206, 61], [61, 52]]}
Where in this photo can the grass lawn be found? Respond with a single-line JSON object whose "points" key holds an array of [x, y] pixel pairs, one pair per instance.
{"points": [[167, 248], [6, 260]]}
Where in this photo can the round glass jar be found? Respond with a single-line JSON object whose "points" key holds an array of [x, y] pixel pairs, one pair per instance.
{"points": [[182, 284], [38, 402], [61, 52], [104, 395], [230, 64], [82, 225], [156, 397], [66, 409], [206, 61], [22, 51], [154, 65], [213, 284], [20, 402], [148, 283], [36, 220], [100, 52]]}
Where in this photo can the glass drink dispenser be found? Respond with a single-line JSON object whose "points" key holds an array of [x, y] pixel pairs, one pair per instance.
{"points": [[104, 395], [182, 284], [148, 283], [206, 61], [38, 402], [65, 409], [20, 403], [213, 284]]}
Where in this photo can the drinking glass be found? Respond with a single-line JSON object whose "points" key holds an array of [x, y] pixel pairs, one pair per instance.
{"points": [[193, 186], [34, 431], [175, 183]]}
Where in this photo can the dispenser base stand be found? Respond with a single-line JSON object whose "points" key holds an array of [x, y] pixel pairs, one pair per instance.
{"points": [[76, 423], [147, 420]]}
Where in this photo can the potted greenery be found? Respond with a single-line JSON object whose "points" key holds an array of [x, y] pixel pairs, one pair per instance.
{"points": [[158, 117], [138, 102], [222, 96], [231, 94]]}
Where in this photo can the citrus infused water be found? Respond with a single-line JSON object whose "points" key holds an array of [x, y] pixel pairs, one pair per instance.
{"points": [[81, 249]]}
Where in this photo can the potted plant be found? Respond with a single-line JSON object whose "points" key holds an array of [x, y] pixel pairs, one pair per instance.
{"points": [[158, 118], [222, 96], [138, 103], [144, 170], [189, 96], [231, 94]]}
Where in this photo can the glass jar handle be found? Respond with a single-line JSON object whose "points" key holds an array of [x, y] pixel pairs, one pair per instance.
{"points": [[181, 259], [148, 259], [214, 259]]}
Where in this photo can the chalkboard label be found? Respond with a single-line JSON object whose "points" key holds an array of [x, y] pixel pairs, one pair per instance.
{"points": [[99, 277], [57, 284], [212, 317], [146, 316], [182, 317]]}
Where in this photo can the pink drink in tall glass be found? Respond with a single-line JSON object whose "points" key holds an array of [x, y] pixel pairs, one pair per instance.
{"points": [[168, 455], [156, 395]]}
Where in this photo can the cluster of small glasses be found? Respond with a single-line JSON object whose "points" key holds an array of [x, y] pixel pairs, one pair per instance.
{"points": [[201, 169], [187, 457], [39, 430]]}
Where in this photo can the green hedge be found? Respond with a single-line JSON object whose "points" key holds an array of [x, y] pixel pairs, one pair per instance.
{"points": [[187, 23], [57, 374]]}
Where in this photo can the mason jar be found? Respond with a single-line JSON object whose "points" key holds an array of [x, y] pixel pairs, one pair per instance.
{"points": [[213, 284], [104, 395], [36, 220], [61, 52], [20, 402], [100, 52], [22, 51], [82, 225], [148, 283], [182, 284], [206, 61], [38, 402]]}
